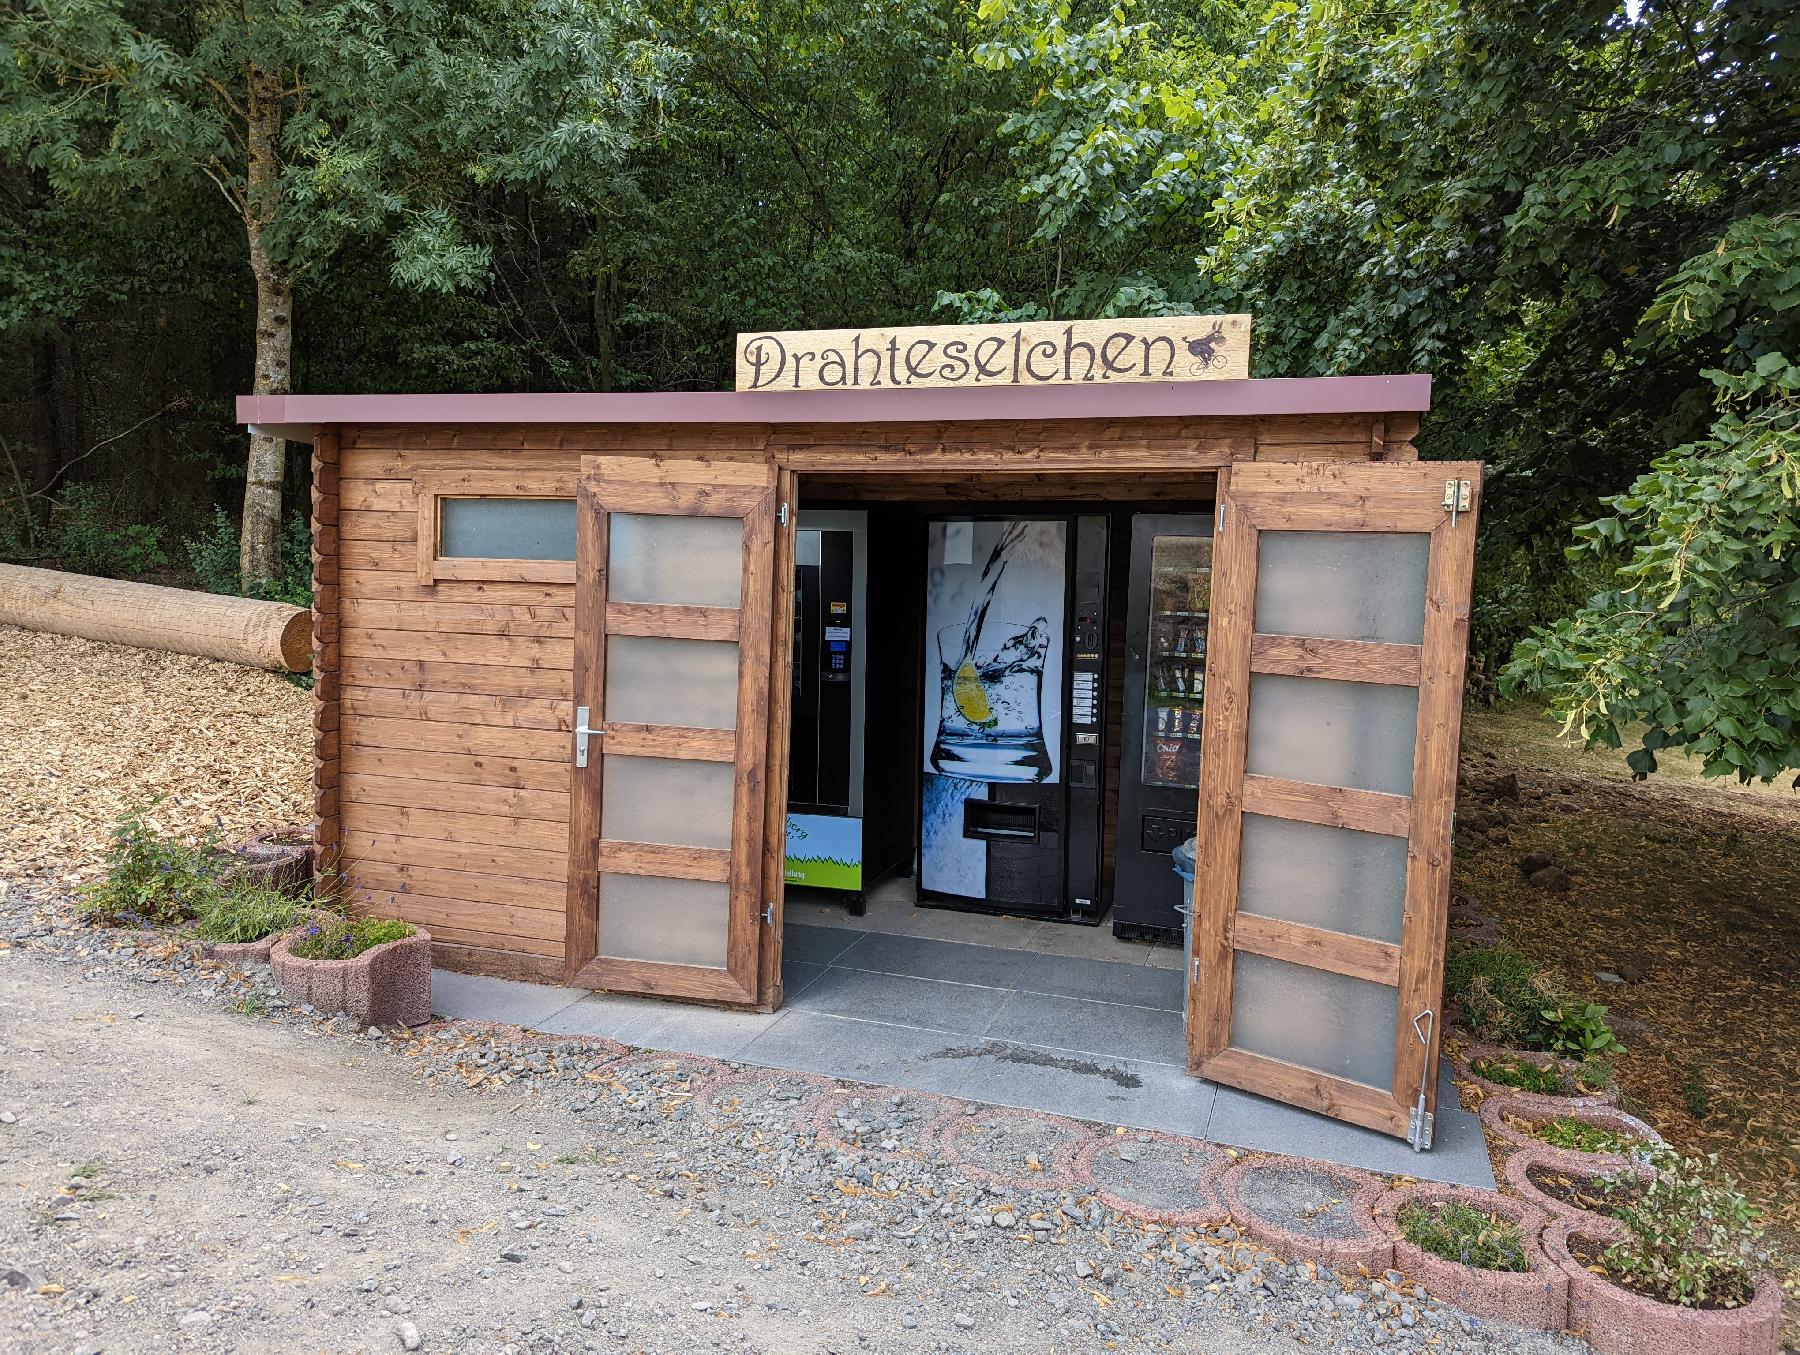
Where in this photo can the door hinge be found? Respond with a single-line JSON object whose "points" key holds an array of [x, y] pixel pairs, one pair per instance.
{"points": [[1458, 496], [768, 915], [1419, 1123], [1195, 968], [583, 734], [781, 515], [1221, 517]]}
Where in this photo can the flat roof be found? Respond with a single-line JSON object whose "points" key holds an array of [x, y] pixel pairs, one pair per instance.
{"points": [[296, 416]]}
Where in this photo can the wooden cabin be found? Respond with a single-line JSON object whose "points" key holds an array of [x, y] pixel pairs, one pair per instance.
{"points": [[554, 672]]}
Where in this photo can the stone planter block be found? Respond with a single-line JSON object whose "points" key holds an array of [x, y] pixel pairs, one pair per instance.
{"points": [[1371, 1249], [1518, 1176], [1471, 1052], [389, 985], [1496, 1110], [281, 858], [1537, 1298], [1615, 1321]]}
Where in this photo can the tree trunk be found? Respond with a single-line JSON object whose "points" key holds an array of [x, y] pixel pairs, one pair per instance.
{"points": [[605, 307], [43, 449], [259, 543]]}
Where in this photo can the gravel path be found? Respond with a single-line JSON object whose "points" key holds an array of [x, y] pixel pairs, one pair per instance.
{"points": [[193, 1167]]}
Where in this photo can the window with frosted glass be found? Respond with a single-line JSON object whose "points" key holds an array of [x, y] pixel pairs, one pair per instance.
{"points": [[1354, 734], [1343, 585], [1339, 879], [664, 921], [674, 561], [1329, 1023], [506, 529]]}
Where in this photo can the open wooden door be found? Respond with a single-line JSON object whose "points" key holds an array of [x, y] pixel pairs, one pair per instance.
{"points": [[674, 584], [1333, 711]]}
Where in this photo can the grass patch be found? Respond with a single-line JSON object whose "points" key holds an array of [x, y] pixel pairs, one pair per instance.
{"points": [[1462, 1233], [1520, 1073], [1499, 995], [247, 912], [343, 939], [1565, 1131]]}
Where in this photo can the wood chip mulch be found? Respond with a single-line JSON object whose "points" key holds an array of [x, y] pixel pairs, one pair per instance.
{"points": [[89, 731]]}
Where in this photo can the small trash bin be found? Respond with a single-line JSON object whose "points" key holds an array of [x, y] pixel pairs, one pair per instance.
{"points": [[1184, 867]]}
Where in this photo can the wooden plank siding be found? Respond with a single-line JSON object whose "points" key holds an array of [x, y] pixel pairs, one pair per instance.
{"points": [[443, 708]]}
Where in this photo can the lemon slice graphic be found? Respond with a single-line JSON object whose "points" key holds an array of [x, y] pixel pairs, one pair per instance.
{"points": [[971, 700]]}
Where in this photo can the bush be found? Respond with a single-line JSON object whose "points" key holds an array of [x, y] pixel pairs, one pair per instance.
{"points": [[247, 912], [342, 939], [1460, 1232], [151, 877], [213, 556], [85, 537], [1688, 1240], [1580, 1029], [1499, 995]]}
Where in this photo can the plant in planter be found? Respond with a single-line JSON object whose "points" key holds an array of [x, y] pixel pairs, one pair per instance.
{"points": [[1543, 1078], [1476, 1249], [281, 858], [1576, 1135], [377, 970], [1462, 1233], [1580, 1030], [1680, 1267], [1582, 1136]]}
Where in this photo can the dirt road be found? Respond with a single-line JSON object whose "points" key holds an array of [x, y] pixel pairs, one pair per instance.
{"points": [[183, 1179]]}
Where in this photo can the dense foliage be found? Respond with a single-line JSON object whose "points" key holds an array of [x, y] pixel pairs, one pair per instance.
{"points": [[1579, 216]]}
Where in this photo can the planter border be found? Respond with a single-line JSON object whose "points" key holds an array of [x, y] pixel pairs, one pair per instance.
{"points": [[1373, 1249], [1493, 1119], [1474, 1050], [386, 985], [1615, 1321], [1210, 1213], [1060, 1173], [1537, 1298], [1519, 1165]]}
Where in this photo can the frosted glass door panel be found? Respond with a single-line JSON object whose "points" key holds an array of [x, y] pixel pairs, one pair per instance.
{"points": [[1319, 876], [675, 561], [506, 529], [659, 799], [647, 917], [652, 680], [1355, 734], [1330, 1023], [1343, 585]]}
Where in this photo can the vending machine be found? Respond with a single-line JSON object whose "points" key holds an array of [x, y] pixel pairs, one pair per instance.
{"points": [[1014, 723], [826, 743], [1165, 682]]}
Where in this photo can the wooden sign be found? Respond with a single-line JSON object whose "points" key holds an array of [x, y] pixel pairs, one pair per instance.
{"points": [[1040, 353]]}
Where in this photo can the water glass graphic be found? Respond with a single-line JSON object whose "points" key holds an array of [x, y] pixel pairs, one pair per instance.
{"points": [[991, 705]]}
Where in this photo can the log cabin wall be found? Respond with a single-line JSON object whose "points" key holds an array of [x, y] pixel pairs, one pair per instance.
{"points": [[444, 709]]}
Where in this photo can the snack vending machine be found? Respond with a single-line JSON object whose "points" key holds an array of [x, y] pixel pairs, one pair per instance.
{"points": [[1165, 682], [826, 742]]}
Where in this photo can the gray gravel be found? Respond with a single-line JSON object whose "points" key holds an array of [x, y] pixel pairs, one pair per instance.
{"points": [[1302, 1200], [193, 1165]]}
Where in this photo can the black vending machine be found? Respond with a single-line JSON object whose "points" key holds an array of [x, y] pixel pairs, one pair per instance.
{"points": [[826, 748], [1015, 747], [1165, 679]]}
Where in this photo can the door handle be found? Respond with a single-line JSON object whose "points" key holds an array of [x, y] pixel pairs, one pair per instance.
{"points": [[583, 733]]}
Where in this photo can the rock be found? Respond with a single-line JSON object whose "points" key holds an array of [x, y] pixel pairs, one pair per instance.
{"points": [[1633, 973], [13, 1278], [7, 1117], [1004, 1219], [1607, 976], [964, 1321], [1084, 1270], [1553, 878], [1534, 861], [409, 1336], [510, 1255], [195, 1320]]}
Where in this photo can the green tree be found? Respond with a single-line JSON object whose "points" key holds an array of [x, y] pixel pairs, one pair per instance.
{"points": [[1699, 642], [323, 122]]}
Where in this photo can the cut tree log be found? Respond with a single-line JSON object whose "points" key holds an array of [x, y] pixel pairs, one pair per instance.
{"points": [[214, 626]]}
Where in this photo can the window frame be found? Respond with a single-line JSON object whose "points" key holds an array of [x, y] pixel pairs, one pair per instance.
{"points": [[431, 489]]}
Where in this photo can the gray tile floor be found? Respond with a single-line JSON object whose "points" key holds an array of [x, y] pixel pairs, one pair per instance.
{"points": [[1098, 1039]]}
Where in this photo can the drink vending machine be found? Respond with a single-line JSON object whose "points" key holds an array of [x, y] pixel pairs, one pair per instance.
{"points": [[1165, 682], [1014, 688]]}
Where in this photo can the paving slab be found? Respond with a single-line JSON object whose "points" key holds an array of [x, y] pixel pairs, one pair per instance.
{"points": [[990, 966], [927, 1004], [1082, 1086], [816, 945], [1102, 1029], [1458, 1153], [862, 1051], [479, 998]]}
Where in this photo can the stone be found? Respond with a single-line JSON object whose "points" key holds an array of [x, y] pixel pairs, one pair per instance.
{"points": [[7, 1117], [1534, 861], [198, 1318], [409, 1336], [1554, 878], [964, 1321]]}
